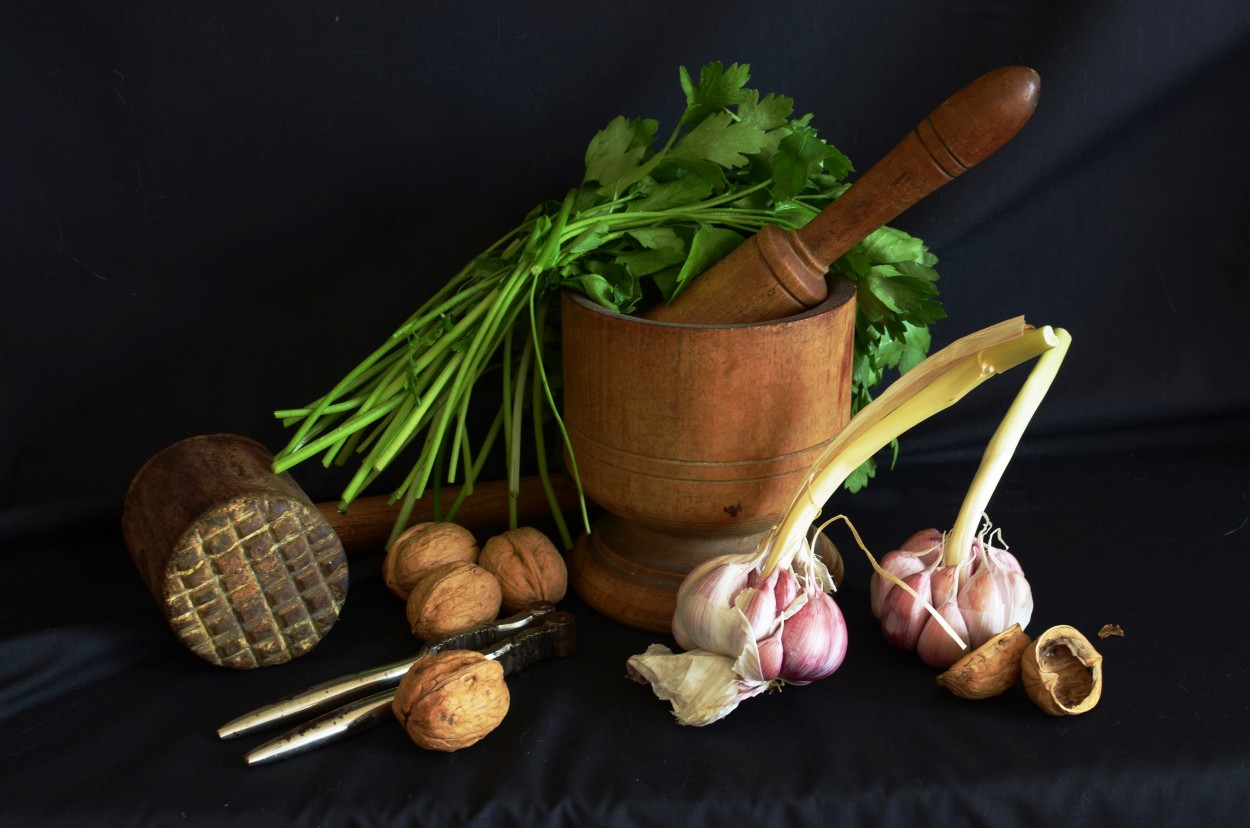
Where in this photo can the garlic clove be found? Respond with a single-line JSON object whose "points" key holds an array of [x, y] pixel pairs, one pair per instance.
{"points": [[944, 584], [758, 602], [984, 602], [903, 617], [706, 616], [770, 651], [1062, 672], [1020, 602], [927, 542], [1017, 592], [935, 646], [679, 633], [1005, 559], [787, 589], [747, 662], [813, 640], [711, 615], [900, 563]]}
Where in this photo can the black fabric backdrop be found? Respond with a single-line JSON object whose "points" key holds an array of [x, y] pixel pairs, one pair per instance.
{"points": [[213, 210]]}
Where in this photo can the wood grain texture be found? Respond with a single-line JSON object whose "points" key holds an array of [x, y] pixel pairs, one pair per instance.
{"points": [[367, 523], [693, 438]]}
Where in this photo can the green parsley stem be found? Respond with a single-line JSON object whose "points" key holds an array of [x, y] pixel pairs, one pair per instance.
{"points": [[417, 386]]}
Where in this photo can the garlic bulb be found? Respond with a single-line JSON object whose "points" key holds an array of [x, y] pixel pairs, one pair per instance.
{"points": [[743, 631], [961, 591], [978, 597], [779, 625], [749, 622]]}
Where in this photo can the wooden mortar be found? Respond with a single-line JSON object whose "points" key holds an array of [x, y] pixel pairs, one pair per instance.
{"points": [[693, 438]]}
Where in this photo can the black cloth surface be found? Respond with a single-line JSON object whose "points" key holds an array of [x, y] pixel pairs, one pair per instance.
{"points": [[213, 211]]}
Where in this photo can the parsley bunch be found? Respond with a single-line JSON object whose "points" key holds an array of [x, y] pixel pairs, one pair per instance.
{"points": [[644, 222]]}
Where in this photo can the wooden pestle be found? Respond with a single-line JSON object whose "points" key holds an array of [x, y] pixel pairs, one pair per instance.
{"points": [[776, 273]]}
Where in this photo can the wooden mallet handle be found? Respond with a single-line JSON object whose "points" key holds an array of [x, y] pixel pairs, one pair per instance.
{"points": [[367, 524], [776, 273]]}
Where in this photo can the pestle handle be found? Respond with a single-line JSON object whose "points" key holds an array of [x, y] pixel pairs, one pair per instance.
{"points": [[776, 273], [965, 130]]}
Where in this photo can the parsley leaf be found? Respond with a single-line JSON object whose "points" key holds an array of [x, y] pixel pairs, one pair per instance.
{"points": [[767, 114], [720, 139], [887, 244], [718, 88], [617, 152], [800, 156]]}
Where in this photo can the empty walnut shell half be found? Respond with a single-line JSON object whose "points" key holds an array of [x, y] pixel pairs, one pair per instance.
{"points": [[451, 700], [990, 669], [1062, 672]]}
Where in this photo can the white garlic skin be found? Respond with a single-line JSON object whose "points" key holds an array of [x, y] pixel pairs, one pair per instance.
{"points": [[706, 617]]}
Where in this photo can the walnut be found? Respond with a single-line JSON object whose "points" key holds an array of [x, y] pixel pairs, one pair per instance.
{"points": [[990, 669], [451, 700], [528, 566], [452, 597], [1062, 672], [422, 547]]}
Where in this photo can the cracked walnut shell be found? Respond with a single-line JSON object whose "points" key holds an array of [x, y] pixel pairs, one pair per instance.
{"points": [[451, 700], [528, 566], [990, 669], [452, 597], [1062, 672], [422, 547]]}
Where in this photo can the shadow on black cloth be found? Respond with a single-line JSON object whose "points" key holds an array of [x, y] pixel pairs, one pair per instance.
{"points": [[210, 213]]}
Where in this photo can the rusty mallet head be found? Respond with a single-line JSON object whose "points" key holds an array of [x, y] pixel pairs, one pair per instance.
{"points": [[244, 566]]}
